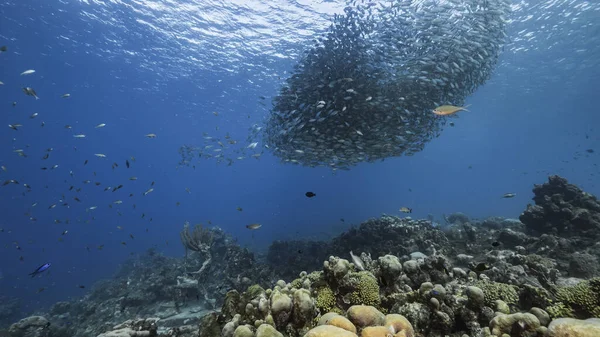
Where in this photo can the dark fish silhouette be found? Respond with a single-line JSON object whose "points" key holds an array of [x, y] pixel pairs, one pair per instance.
{"points": [[310, 194]]}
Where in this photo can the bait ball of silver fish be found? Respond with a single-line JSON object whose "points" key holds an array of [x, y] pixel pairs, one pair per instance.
{"points": [[366, 90]]}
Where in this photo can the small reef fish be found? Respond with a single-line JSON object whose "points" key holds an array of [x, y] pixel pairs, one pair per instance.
{"points": [[310, 194], [28, 72], [101, 125], [3, 49], [100, 155], [30, 92], [480, 267], [253, 226], [252, 145], [357, 261], [509, 195], [66, 96], [33, 115], [148, 191], [405, 210], [40, 269], [151, 135], [81, 135], [446, 110], [14, 126]]}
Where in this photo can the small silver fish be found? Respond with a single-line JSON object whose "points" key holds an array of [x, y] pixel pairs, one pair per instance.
{"points": [[357, 261], [28, 72], [509, 195]]}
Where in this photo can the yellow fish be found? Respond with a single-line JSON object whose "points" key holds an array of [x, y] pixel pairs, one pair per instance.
{"points": [[405, 210], [446, 110]]}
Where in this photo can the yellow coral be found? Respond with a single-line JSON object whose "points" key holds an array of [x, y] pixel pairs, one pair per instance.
{"points": [[560, 310], [367, 290], [325, 299], [493, 291], [297, 283], [580, 301]]}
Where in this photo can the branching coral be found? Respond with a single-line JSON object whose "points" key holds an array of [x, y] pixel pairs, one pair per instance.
{"points": [[580, 301], [325, 299], [498, 291], [366, 291]]}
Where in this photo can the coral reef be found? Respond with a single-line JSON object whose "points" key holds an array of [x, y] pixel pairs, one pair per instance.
{"points": [[407, 278], [562, 208]]}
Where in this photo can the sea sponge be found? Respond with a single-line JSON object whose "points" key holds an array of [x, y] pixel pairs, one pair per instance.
{"points": [[365, 315], [498, 291], [366, 289], [324, 299], [579, 301]]}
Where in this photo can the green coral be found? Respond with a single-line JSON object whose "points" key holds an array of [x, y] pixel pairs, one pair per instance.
{"points": [[580, 301], [493, 291], [297, 283], [366, 291], [534, 259], [560, 310], [232, 304], [325, 299], [315, 276], [252, 292]]}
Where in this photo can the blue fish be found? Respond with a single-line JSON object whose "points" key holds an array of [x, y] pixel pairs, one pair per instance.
{"points": [[40, 269]]}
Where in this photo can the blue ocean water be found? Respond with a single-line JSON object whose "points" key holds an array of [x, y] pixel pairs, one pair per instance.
{"points": [[165, 67]]}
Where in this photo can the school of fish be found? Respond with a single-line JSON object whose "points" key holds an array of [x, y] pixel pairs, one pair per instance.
{"points": [[369, 88]]}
